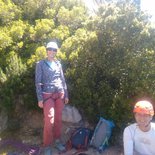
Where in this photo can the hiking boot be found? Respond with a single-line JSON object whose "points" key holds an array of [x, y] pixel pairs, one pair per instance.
{"points": [[47, 151], [60, 146]]}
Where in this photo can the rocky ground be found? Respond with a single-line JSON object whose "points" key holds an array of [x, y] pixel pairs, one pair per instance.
{"points": [[30, 132], [112, 150]]}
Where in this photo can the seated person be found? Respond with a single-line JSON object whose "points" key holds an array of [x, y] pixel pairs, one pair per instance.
{"points": [[139, 138]]}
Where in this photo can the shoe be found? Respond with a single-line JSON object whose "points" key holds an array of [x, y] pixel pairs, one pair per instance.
{"points": [[47, 151], [60, 146]]}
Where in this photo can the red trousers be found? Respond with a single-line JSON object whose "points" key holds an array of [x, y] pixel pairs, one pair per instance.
{"points": [[53, 106]]}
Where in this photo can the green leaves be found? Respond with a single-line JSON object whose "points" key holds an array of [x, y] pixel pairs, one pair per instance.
{"points": [[42, 28], [15, 66], [17, 30], [8, 12], [5, 38], [111, 65], [108, 58], [72, 18]]}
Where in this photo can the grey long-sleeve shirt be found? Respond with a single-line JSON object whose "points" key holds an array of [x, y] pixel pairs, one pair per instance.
{"points": [[49, 78]]}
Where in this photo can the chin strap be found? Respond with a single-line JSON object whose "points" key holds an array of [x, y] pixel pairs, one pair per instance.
{"points": [[145, 128], [147, 124]]}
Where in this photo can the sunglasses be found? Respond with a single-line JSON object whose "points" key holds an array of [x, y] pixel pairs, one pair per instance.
{"points": [[52, 49]]}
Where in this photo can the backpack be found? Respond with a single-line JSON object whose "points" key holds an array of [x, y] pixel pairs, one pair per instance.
{"points": [[101, 134], [80, 139]]}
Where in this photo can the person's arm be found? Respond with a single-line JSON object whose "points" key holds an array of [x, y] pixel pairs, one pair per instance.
{"points": [[128, 142], [38, 83], [64, 86]]}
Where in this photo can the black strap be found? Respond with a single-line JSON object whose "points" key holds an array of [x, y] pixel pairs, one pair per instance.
{"points": [[49, 65], [46, 99]]}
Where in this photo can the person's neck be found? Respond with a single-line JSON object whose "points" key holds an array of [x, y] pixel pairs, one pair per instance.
{"points": [[145, 128], [50, 59]]}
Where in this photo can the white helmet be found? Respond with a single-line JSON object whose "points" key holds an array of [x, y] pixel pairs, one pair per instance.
{"points": [[52, 45]]}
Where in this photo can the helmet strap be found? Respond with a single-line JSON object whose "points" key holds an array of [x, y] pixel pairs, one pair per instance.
{"points": [[146, 127]]}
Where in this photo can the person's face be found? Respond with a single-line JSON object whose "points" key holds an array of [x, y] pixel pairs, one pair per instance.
{"points": [[51, 52], [143, 119]]}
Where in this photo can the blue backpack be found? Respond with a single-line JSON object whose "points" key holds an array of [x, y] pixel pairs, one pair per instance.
{"points": [[80, 139], [101, 134]]}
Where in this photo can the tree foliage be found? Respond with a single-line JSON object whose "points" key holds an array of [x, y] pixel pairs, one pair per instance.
{"points": [[108, 58]]}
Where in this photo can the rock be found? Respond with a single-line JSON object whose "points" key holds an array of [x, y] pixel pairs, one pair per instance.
{"points": [[71, 114], [3, 120], [33, 120], [31, 127]]}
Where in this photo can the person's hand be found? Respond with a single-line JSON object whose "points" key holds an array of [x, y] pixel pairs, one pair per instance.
{"points": [[40, 104], [66, 100], [62, 95]]}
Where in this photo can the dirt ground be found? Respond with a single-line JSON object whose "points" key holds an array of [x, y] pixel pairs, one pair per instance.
{"points": [[31, 133], [109, 151], [91, 151], [9, 150]]}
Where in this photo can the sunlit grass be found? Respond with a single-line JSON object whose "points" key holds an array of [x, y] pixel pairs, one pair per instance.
{"points": [[4, 153]]}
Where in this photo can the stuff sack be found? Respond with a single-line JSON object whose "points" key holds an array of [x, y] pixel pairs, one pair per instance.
{"points": [[71, 114], [101, 134], [80, 139]]}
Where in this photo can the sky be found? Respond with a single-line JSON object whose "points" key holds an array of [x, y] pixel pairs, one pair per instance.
{"points": [[146, 5], [149, 6]]}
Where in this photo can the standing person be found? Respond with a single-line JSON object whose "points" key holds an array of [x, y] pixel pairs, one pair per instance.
{"points": [[52, 94], [139, 138]]}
